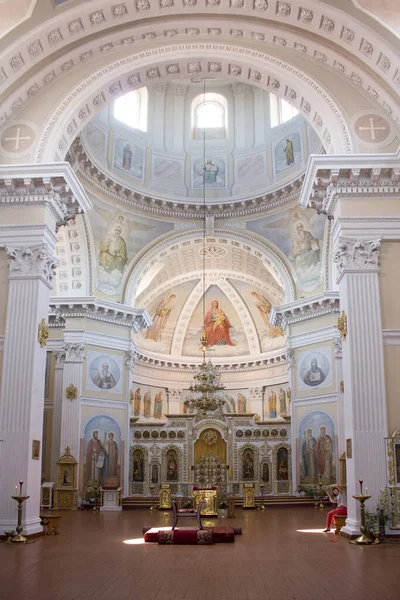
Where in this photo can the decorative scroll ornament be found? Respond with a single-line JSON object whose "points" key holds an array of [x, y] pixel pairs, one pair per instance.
{"points": [[357, 256], [342, 325], [25, 262], [43, 333], [71, 392]]}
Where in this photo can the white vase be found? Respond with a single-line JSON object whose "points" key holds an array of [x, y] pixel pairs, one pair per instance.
{"points": [[222, 513]]}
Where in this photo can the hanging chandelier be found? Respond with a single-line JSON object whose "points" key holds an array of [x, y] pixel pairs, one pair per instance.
{"points": [[207, 380]]}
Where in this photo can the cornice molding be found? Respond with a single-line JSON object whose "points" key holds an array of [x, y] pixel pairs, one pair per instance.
{"points": [[175, 207], [305, 309], [329, 178], [391, 337], [312, 337], [226, 365], [30, 234], [54, 185], [97, 310]]}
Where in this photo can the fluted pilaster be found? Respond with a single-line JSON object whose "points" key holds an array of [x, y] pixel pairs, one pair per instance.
{"points": [[22, 389], [56, 420], [71, 408], [364, 402]]}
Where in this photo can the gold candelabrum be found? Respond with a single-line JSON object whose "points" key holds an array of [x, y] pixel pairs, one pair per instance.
{"points": [[19, 538], [151, 487], [262, 486], [320, 493], [366, 537]]}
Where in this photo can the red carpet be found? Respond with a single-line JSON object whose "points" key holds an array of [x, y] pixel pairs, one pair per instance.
{"points": [[210, 535], [186, 536]]}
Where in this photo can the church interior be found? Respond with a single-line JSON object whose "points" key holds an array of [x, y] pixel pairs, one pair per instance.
{"points": [[199, 250]]}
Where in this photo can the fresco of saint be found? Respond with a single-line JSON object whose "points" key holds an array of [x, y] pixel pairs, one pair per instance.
{"points": [[160, 318], [264, 307], [113, 254]]}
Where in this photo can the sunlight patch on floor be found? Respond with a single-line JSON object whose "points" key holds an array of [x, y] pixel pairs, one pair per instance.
{"points": [[311, 531]]}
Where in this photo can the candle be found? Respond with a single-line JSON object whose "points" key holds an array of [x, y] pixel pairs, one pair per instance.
{"points": [[366, 490], [20, 487], [361, 482]]}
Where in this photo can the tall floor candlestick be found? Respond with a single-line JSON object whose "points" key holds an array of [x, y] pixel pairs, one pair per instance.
{"points": [[365, 538], [19, 538]]}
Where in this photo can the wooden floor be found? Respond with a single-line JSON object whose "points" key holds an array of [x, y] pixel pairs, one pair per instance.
{"points": [[273, 559]]}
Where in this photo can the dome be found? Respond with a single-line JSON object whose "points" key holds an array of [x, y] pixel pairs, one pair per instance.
{"points": [[181, 141]]}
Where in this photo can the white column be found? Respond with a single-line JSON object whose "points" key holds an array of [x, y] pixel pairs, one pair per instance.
{"points": [[174, 401], [130, 366], [71, 409], [179, 94], [259, 116], [56, 420], [22, 385], [290, 359], [159, 110], [238, 90], [256, 400], [337, 351], [365, 420]]}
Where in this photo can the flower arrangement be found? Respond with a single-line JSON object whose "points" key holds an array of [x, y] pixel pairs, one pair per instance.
{"points": [[376, 521], [223, 505]]}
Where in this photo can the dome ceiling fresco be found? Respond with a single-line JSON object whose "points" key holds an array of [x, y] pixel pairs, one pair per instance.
{"points": [[243, 157]]}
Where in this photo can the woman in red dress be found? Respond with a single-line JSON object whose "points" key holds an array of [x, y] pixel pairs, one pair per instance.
{"points": [[217, 326]]}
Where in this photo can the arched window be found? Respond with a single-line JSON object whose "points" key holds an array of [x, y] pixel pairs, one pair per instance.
{"points": [[281, 111], [210, 112], [131, 109]]}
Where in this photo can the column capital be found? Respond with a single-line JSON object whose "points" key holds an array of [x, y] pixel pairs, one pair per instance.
{"points": [[130, 360], [27, 263], [174, 394], [177, 89], [161, 87], [238, 88], [74, 352], [290, 357], [256, 393], [361, 256], [59, 355], [337, 347]]}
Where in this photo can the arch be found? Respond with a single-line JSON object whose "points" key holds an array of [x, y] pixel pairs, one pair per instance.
{"points": [[237, 64], [195, 297], [267, 255], [351, 44]]}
